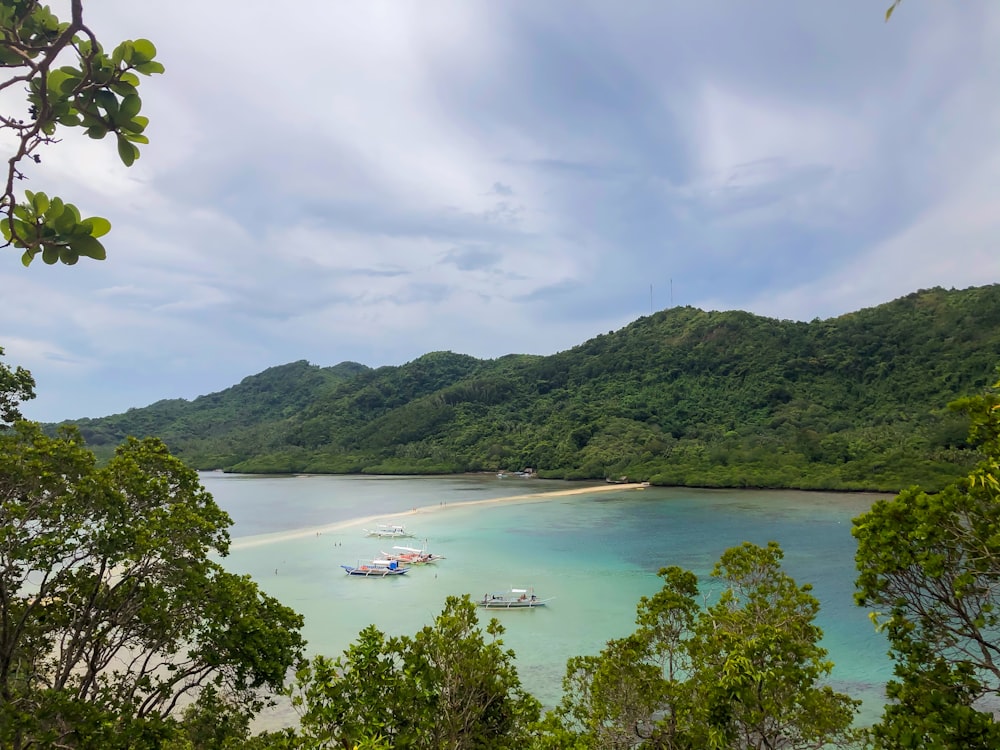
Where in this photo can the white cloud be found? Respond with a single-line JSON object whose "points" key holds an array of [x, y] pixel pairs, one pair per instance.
{"points": [[373, 181], [34, 354], [735, 133], [956, 244]]}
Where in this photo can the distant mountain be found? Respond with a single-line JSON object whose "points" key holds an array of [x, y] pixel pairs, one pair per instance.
{"points": [[684, 397]]}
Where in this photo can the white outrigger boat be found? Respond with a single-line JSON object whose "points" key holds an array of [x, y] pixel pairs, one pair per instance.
{"points": [[377, 568], [411, 555], [512, 599], [388, 530]]}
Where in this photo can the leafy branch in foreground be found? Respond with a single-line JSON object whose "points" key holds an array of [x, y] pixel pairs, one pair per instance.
{"points": [[449, 686], [94, 91], [114, 613], [16, 385], [930, 563], [745, 672]]}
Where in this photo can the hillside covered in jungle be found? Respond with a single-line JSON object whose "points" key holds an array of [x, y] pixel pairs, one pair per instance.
{"points": [[680, 397]]}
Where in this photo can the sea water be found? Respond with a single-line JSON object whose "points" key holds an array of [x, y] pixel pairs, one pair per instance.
{"points": [[594, 554]]}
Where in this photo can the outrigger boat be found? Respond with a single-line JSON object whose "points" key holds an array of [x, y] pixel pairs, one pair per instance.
{"points": [[512, 599], [391, 530], [377, 568], [412, 556]]}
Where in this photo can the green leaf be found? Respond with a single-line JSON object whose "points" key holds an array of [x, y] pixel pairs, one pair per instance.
{"points": [[103, 74], [122, 52], [133, 126], [89, 247], [67, 81], [124, 88], [56, 79], [25, 232], [150, 67], [99, 226], [129, 107], [65, 222], [39, 201], [50, 254], [108, 101], [127, 152], [143, 51], [56, 207], [9, 58]]}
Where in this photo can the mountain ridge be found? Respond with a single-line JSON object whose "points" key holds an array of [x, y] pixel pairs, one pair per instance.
{"points": [[681, 396]]}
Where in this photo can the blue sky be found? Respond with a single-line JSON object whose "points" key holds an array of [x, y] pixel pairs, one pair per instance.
{"points": [[373, 181]]}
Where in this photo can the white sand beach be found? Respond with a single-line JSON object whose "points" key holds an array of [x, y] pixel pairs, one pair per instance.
{"points": [[284, 536]]}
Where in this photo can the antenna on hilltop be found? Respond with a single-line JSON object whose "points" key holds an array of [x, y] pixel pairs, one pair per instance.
{"points": [[671, 292], [650, 299]]}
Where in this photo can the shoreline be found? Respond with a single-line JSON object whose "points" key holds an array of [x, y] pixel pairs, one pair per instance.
{"points": [[260, 540]]}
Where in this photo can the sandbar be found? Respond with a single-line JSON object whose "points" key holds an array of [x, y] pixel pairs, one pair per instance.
{"points": [[284, 536]]}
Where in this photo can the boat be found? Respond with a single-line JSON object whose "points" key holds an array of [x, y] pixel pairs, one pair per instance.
{"points": [[411, 555], [512, 599], [377, 568], [390, 530]]}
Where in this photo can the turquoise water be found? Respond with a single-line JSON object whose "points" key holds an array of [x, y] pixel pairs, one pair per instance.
{"points": [[595, 554]]}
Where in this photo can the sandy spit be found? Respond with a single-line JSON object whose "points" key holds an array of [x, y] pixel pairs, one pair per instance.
{"points": [[284, 536]]}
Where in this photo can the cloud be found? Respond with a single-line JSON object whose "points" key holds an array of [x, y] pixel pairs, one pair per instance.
{"points": [[920, 256], [374, 181], [472, 259]]}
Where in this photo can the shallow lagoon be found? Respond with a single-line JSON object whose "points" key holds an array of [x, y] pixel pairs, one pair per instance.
{"points": [[596, 554]]}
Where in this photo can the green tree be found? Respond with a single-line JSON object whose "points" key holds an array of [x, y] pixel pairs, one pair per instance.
{"points": [[611, 699], [758, 665], [745, 672], [446, 687], [15, 386], [113, 612], [929, 564], [615, 700], [684, 397], [70, 83]]}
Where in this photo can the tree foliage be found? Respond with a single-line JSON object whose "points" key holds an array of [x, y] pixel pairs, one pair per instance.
{"points": [[929, 564], [16, 385], [446, 687], [682, 397], [745, 672], [71, 82], [114, 614]]}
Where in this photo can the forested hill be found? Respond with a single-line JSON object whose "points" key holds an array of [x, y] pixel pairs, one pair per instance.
{"points": [[683, 397]]}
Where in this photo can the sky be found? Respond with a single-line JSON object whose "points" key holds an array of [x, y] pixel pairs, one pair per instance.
{"points": [[372, 181]]}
